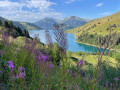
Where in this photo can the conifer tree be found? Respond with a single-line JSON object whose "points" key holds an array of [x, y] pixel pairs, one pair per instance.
{"points": [[6, 25], [11, 24], [19, 29], [26, 33], [0, 23]]}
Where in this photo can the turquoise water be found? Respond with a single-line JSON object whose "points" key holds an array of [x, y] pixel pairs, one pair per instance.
{"points": [[72, 45]]}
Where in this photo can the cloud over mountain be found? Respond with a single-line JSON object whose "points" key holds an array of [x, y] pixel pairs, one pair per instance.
{"points": [[25, 10]]}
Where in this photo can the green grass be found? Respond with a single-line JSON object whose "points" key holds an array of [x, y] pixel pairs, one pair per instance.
{"points": [[101, 25], [28, 27], [1, 27], [39, 75], [92, 59]]}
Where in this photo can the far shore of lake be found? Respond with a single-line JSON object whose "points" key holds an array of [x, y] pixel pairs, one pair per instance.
{"points": [[96, 46]]}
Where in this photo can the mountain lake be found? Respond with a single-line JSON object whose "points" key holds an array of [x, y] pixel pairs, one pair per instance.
{"points": [[72, 44]]}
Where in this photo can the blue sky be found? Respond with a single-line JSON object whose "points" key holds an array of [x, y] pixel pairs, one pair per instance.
{"points": [[33, 10]]}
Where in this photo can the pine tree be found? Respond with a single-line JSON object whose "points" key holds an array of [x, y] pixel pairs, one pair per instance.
{"points": [[26, 33], [6, 25], [19, 29], [0, 23], [11, 24]]}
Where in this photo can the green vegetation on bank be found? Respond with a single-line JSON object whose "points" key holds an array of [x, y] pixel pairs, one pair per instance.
{"points": [[29, 26], [28, 64], [91, 31], [14, 31], [98, 26], [23, 25]]}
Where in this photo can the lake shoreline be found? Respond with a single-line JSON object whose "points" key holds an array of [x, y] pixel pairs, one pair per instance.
{"points": [[96, 46], [73, 44]]}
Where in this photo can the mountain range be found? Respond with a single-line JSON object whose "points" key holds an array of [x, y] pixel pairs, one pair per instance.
{"points": [[98, 26], [47, 23], [23, 25], [68, 23]]}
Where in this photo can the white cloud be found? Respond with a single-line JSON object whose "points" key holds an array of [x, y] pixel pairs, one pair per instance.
{"points": [[70, 1], [41, 4], [28, 10], [99, 4], [105, 13]]}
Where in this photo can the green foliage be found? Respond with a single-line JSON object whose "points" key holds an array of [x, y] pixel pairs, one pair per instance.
{"points": [[115, 55], [65, 73], [55, 54], [109, 71], [98, 25], [28, 26], [0, 22], [15, 31], [6, 25], [26, 33], [88, 38], [11, 24]]}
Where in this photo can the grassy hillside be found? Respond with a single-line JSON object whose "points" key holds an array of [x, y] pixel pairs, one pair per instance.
{"points": [[91, 59], [23, 25], [27, 63], [27, 26], [0, 27], [89, 32], [98, 26]]}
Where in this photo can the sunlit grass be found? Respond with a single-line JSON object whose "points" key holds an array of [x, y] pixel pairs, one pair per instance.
{"points": [[92, 59], [100, 28]]}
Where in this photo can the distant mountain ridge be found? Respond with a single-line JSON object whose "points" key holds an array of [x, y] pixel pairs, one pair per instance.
{"points": [[74, 21], [23, 25], [46, 23], [68, 23], [98, 26]]}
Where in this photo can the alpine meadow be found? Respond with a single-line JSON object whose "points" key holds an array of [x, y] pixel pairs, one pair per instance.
{"points": [[59, 45]]}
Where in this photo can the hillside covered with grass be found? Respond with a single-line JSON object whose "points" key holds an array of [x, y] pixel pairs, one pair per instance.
{"points": [[26, 63], [23, 25], [98, 26], [91, 31]]}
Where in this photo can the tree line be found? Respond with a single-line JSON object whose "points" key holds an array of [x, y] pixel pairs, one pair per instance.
{"points": [[13, 30]]}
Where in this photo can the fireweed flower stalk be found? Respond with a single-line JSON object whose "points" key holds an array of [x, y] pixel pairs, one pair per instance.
{"points": [[21, 69], [42, 58], [48, 71], [0, 72], [61, 38], [10, 65], [105, 43], [51, 66], [31, 45], [42, 63], [20, 72], [79, 65], [20, 75], [49, 39], [48, 67], [12, 70], [116, 81], [5, 38]]}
